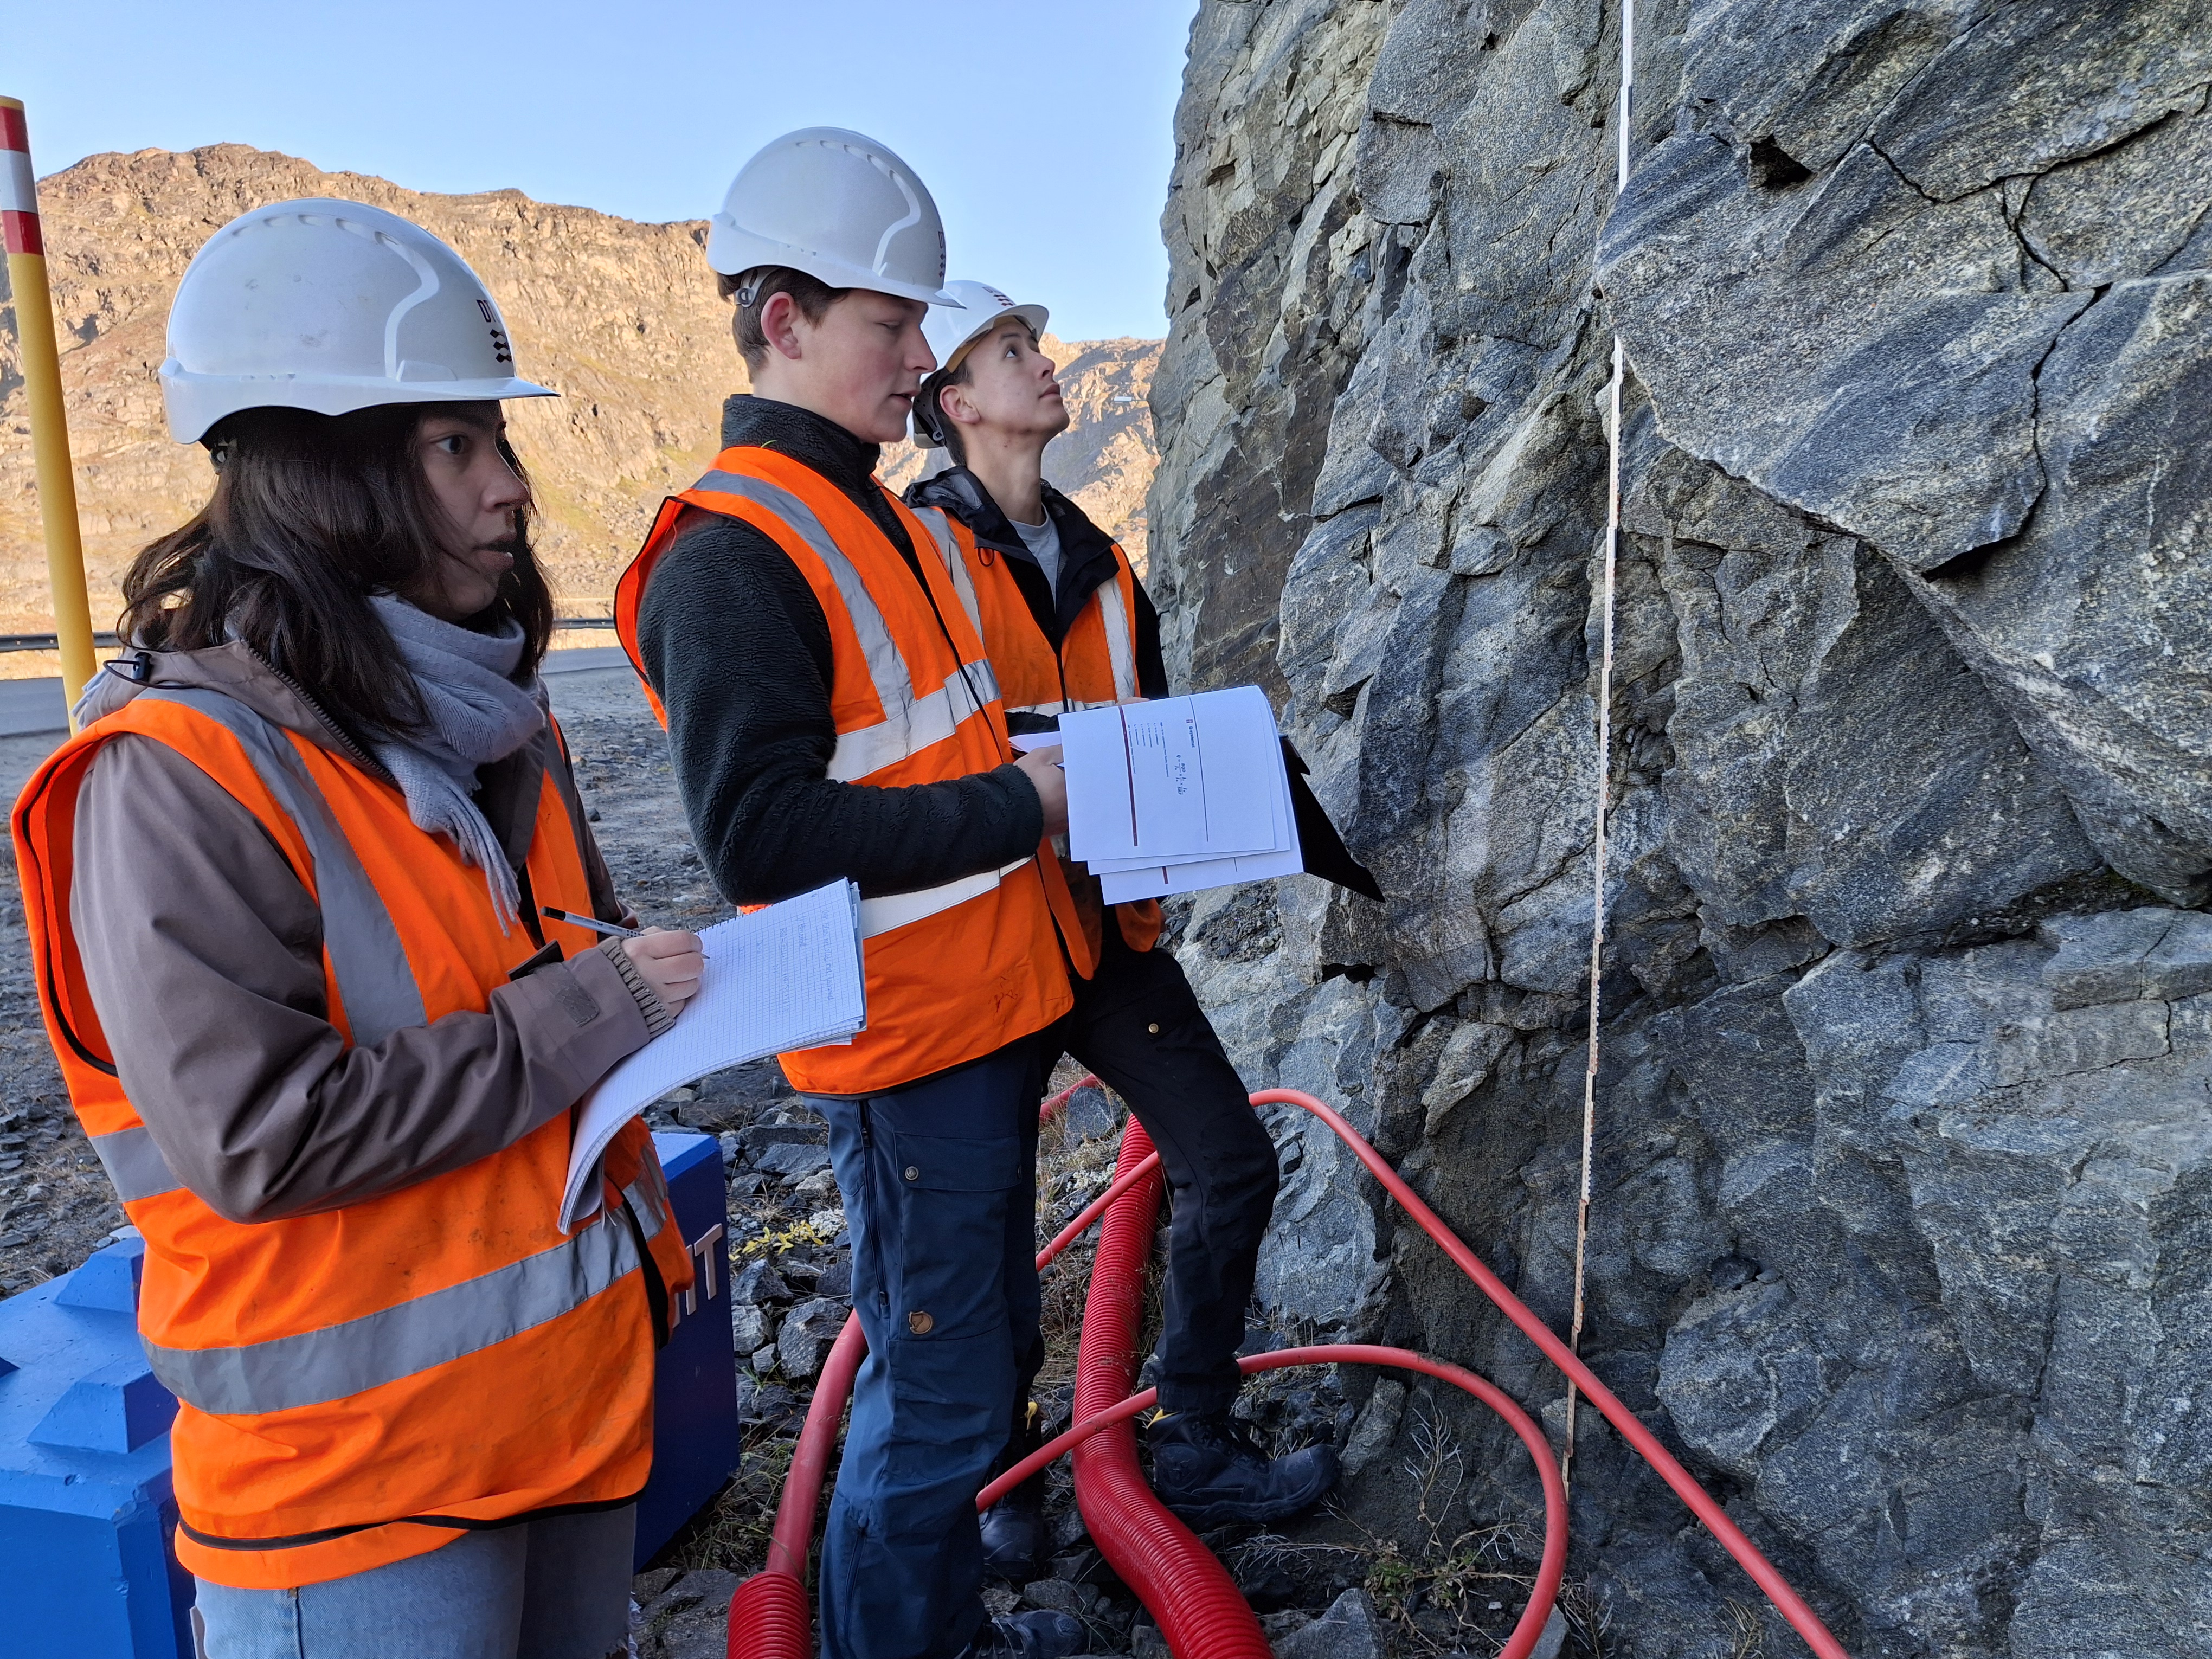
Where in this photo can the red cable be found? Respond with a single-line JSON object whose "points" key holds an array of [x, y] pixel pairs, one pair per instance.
{"points": [[794, 1518], [1791, 1606], [1097, 1206], [1530, 1627], [768, 1615]]}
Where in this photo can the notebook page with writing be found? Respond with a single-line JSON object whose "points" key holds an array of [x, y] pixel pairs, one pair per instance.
{"points": [[1123, 881], [783, 978], [1177, 779]]}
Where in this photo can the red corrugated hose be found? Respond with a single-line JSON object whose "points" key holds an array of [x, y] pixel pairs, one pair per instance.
{"points": [[1178, 1580]]}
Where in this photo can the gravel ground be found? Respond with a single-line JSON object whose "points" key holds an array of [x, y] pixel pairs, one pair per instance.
{"points": [[790, 1271], [55, 1206]]}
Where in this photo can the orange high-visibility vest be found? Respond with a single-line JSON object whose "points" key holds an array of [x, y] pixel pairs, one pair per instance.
{"points": [[1095, 667], [955, 971], [359, 1386]]}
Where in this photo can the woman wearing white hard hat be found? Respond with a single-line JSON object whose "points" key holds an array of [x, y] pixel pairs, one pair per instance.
{"points": [[286, 891], [831, 715]]}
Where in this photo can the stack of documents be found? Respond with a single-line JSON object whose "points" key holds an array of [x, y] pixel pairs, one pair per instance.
{"points": [[1172, 796], [782, 978]]}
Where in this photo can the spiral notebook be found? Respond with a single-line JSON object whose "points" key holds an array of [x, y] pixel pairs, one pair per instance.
{"points": [[779, 979]]}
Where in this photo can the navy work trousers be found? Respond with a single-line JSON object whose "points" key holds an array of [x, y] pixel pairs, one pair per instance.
{"points": [[1136, 1023], [939, 1185]]}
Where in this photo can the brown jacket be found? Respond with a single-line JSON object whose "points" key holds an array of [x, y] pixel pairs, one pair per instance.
{"points": [[203, 954]]}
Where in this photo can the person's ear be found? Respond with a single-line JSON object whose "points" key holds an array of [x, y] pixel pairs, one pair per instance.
{"points": [[957, 405], [780, 318]]}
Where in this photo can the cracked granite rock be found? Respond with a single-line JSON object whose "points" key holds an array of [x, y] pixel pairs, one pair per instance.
{"points": [[1903, 1206]]}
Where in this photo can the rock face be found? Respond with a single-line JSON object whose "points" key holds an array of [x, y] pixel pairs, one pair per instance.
{"points": [[1903, 1198], [621, 317]]}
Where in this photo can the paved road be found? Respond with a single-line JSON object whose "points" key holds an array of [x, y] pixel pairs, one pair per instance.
{"points": [[28, 707], [33, 707]]}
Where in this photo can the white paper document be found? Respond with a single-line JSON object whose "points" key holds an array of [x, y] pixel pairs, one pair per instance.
{"points": [[1172, 796], [783, 978]]}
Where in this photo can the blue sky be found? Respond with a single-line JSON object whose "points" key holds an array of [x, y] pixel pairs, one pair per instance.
{"points": [[1043, 130]]}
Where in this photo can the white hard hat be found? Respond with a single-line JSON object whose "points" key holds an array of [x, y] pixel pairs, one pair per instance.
{"points": [[950, 333], [840, 207], [332, 306]]}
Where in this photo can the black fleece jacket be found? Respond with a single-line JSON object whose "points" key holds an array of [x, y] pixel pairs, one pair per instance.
{"points": [[736, 644]]}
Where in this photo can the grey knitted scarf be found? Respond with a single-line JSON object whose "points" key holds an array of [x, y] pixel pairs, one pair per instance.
{"points": [[477, 714]]}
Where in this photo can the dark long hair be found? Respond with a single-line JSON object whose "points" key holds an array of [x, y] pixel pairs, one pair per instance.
{"points": [[312, 515]]}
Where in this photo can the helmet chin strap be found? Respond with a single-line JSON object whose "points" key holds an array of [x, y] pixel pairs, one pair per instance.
{"points": [[930, 418]]}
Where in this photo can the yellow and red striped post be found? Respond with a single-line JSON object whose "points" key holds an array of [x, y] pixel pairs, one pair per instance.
{"points": [[42, 389]]}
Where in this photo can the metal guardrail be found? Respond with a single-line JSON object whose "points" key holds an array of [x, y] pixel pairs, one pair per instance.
{"points": [[108, 642]]}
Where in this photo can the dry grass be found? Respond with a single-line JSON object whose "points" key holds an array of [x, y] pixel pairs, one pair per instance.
{"points": [[734, 1535], [1746, 1631]]}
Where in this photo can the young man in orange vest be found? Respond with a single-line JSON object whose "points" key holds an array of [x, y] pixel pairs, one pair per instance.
{"points": [[832, 713], [1068, 626]]}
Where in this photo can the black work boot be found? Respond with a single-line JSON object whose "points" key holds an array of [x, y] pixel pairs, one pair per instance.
{"points": [[1210, 1472], [1013, 1528], [1029, 1636]]}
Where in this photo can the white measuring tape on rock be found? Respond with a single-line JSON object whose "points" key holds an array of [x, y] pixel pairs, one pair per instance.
{"points": [[1604, 751]]}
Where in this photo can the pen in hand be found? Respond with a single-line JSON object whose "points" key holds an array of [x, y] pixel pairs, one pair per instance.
{"points": [[659, 959], [613, 929]]}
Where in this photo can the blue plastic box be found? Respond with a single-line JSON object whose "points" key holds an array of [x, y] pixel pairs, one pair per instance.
{"points": [[86, 1511], [694, 1434]]}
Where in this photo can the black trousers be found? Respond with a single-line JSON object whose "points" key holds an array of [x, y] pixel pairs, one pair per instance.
{"points": [[1136, 1023]]}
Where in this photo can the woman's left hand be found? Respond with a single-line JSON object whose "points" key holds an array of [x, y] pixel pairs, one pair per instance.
{"points": [[669, 962]]}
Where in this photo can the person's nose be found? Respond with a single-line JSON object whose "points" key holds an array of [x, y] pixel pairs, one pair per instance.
{"points": [[504, 489]]}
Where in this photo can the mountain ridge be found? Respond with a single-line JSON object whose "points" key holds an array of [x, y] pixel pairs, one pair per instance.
{"points": [[619, 315]]}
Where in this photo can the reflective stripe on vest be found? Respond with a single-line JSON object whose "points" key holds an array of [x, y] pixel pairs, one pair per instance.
{"points": [[375, 984], [1121, 637], [1113, 616], [289, 1373], [881, 915], [909, 723], [134, 1164], [948, 549], [376, 987], [649, 1208]]}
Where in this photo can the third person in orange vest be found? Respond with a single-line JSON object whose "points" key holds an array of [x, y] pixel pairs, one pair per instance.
{"points": [[1068, 626]]}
